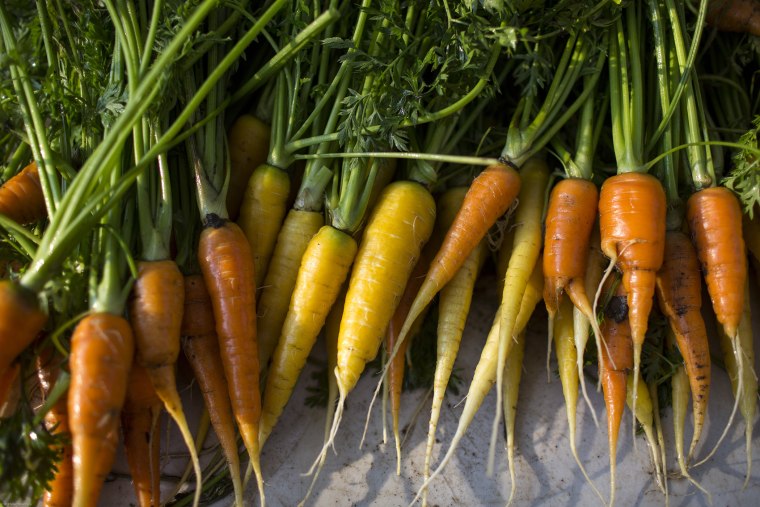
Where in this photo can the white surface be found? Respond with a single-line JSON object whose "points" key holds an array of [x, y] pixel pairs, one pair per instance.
{"points": [[546, 472]]}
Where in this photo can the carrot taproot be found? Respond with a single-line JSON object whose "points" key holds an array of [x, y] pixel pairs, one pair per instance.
{"points": [[156, 314], [400, 224], [485, 374], [294, 236], [742, 16], [324, 268], [679, 292], [632, 208], [201, 348], [617, 357], [60, 490], [715, 222], [261, 214], [20, 320], [226, 262], [564, 346], [139, 422], [534, 175], [641, 405], [512, 376], [490, 195], [102, 348], [21, 197], [454, 306], [248, 141]]}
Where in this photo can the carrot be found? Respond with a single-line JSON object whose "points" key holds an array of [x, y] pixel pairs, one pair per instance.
{"points": [[227, 266], [679, 292], [262, 212], [741, 16], [248, 141], [454, 306], [139, 422], [617, 357], [632, 210], [485, 373], [156, 315], [9, 389], [20, 321], [643, 412], [739, 357], [715, 222], [201, 348], [489, 197], [400, 223], [102, 348], [564, 345], [525, 254], [60, 491], [21, 196], [512, 374], [296, 232], [324, 268]]}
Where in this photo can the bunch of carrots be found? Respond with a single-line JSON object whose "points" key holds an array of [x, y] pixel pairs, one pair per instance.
{"points": [[238, 180]]}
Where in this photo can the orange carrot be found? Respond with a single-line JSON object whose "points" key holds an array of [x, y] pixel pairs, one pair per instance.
{"points": [[102, 348], [715, 222], [741, 16], [632, 224], [156, 315], [201, 347], [61, 489], [617, 357], [21, 196], [20, 321], [139, 422], [489, 197], [227, 265], [679, 291], [248, 141]]}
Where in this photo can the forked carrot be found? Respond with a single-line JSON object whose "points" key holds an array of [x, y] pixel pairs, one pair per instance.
{"points": [[139, 422], [102, 348], [679, 292], [21, 196], [227, 265], [201, 348], [156, 314]]}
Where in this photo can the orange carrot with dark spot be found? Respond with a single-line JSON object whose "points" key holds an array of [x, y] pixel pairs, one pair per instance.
{"points": [[227, 265], [201, 347], [102, 349], [21, 196], [679, 291], [139, 422]]}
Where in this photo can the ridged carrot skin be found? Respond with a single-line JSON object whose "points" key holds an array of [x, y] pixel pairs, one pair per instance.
{"points": [[324, 268], [20, 321], [248, 141], [490, 195], [742, 16], [715, 222], [296, 232], [569, 221], [261, 214], [102, 349], [201, 348], [227, 266], [60, 491], [400, 224], [21, 196], [142, 437], [679, 292]]}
